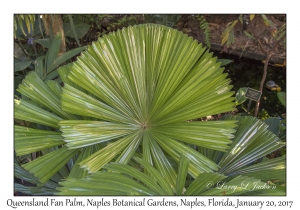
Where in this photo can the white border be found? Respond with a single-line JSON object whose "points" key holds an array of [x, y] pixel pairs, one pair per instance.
{"points": [[150, 7]]}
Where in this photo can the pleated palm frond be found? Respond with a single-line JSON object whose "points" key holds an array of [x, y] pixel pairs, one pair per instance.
{"points": [[253, 141], [121, 179], [31, 185], [142, 85], [134, 91], [43, 112]]}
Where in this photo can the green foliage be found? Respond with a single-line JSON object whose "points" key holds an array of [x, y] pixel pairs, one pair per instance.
{"points": [[40, 54], [277, 126], [225, 62], [45, 65], [267, 21], [125, 21], [203, 24], [281, 32], [250, 36], [20, 20], [278, 34], [28, 140], [76, 29], [273, 123], [18, 66], [121, 179], [263, 114], [164, 19], [242, 75], [251, 136], [139, 118], [228, 35], [36, 191], [282, 97], [43, 167], [240, 96]]}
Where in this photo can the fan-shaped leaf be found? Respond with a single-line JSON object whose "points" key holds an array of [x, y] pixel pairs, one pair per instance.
{"points": [[81, 133], [96, 161], [149, 76], [198, 162], [79, 103], [29, 112], [22, 174], [127, 170], [28, 140], [111, 184], [209, 134], [78, 172], [46, 166], [252, 141], [34, 88], [267, 170], [182, 172], [273, 123], [158, 158], [36, 191]]}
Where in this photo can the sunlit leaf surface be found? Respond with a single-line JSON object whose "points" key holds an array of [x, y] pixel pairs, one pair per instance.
{"points": [[144, 83]]}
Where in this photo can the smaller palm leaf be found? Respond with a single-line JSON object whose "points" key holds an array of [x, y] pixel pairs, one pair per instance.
{"points": [[252, 141], [121, 179]]}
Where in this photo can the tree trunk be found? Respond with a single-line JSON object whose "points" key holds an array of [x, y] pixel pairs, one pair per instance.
{"points": [[53, 25]]}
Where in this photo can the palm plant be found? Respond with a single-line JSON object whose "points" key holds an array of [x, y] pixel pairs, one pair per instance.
{"points": [[129, 100], [238, 167]]}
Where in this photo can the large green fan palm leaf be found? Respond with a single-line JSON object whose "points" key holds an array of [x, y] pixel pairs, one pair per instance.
{"points": [[132, 92], [146, 80]]}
